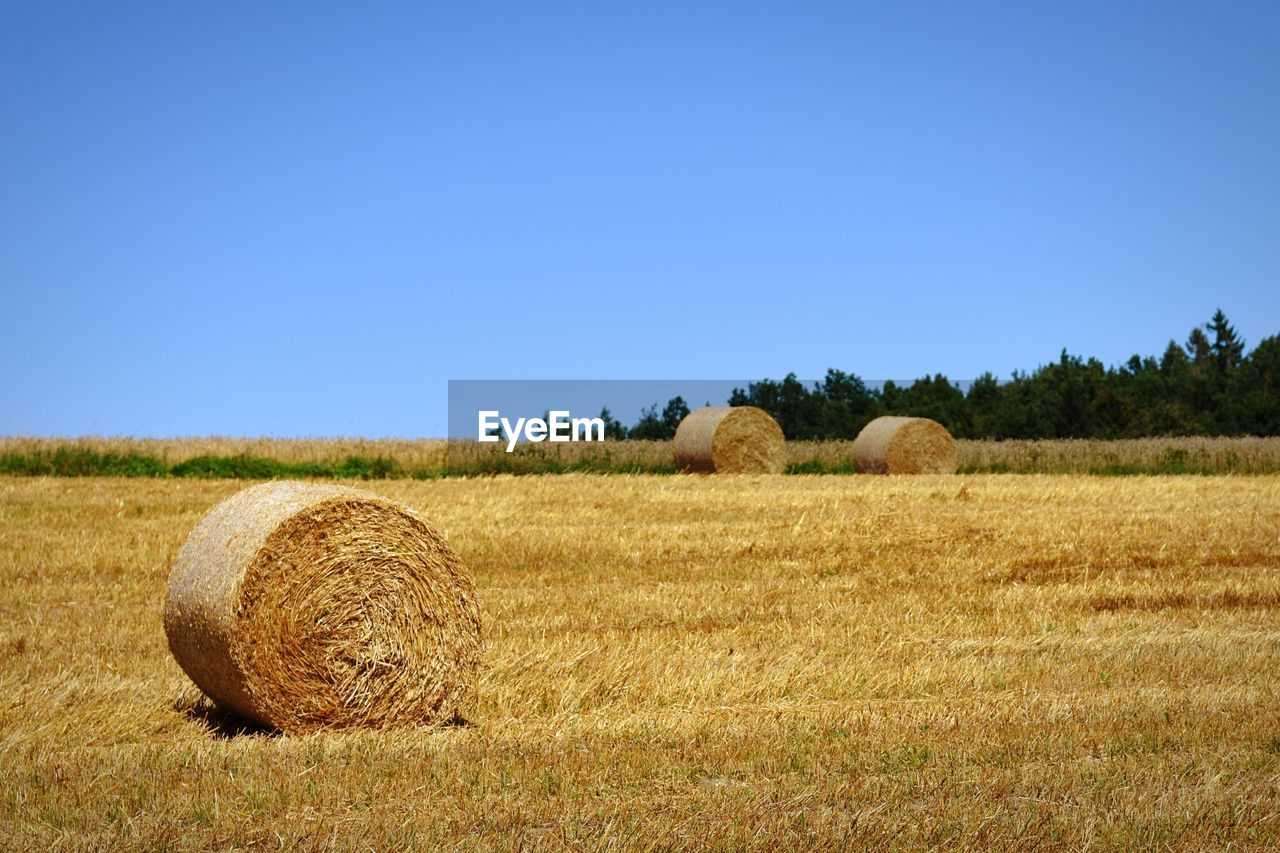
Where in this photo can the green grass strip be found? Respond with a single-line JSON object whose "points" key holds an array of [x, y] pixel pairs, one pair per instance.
{"points": [[74, 461]]}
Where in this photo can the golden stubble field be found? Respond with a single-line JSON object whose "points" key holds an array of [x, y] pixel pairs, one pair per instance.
{"points": [[684, 662]]}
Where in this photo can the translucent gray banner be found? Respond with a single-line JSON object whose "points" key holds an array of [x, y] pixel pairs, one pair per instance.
{"points": [[625, 400]]}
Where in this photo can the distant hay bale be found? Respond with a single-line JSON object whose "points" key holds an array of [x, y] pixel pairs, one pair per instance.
{"points": [[306, 606], [730, 440], [893, 445]]}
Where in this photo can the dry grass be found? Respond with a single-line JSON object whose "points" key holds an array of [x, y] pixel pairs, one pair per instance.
{"points": [[1248, 455], [413, 454], [686, 662], [1194, 454], [1201, 455]]}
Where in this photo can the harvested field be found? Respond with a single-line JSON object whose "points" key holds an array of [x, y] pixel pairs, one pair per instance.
{"points": [[686, 661]]}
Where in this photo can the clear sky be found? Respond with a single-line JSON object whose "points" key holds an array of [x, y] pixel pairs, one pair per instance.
{"points": [[303, 219]]}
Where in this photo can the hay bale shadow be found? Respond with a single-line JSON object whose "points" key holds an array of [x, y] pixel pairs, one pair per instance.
{"points": [[222, 725], [219, 723]]}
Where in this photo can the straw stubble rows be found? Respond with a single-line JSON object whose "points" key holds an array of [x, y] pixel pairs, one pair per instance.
{"points": [[693, 660]]}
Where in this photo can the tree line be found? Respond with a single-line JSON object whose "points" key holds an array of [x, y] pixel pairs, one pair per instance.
{"points": [[1207, 386]]}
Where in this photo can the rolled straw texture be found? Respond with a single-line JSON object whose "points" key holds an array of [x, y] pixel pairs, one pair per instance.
{"points": [[304, 606], [730, 440], [894, 445]]}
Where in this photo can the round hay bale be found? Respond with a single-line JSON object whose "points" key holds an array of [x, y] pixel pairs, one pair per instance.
{"points": [[893, 445], [304, 606], [730, 440]]}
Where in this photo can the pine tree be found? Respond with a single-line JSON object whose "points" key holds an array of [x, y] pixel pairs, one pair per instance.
{"points": [[613, 428], [1174, 361], [649, 427], [675, 411], [1227, 348], [1198, 347]]}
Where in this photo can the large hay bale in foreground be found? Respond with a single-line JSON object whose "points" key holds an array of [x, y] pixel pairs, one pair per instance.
{"points": [[730, 440], [304, 606], [893, 445]]}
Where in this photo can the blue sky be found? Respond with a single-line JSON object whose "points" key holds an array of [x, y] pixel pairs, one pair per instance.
{"points": [[303, 219]]}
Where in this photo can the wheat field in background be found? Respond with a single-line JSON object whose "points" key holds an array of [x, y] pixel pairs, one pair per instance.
{"points": [[1192, 454], [689, 662], [419, 453]]}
